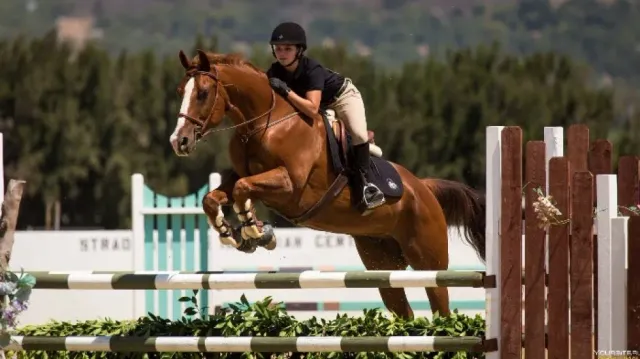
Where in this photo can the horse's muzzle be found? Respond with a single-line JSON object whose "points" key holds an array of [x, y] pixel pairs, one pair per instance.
{"points": [[185, 145], [182, 146]]}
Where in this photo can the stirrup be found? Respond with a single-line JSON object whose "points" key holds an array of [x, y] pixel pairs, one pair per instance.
{"points": [[377, 197]]}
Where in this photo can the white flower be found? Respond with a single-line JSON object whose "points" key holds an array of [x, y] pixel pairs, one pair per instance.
{"points": [[7, 288]]}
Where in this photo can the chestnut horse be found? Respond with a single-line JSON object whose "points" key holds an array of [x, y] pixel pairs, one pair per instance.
{"points": [[283, 159]]}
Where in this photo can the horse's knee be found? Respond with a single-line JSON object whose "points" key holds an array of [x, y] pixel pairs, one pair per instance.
{"points": [[213, 200], [209, 204], [241, 188]]}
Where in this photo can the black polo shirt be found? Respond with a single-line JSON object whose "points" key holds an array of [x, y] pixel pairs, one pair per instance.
{"points": [[309, 75]]}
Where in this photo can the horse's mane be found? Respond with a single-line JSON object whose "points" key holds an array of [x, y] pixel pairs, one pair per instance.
{"points": [[231, 59]]}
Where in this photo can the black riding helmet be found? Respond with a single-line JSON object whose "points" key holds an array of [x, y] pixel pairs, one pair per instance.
{"points": [[289, 33]]}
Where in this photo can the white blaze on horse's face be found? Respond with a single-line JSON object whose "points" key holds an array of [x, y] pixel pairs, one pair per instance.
{"points": [[184, 108]]}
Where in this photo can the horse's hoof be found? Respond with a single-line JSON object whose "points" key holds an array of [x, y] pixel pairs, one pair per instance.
{"points": [[268, 239], [247, 246], [229, 241]]}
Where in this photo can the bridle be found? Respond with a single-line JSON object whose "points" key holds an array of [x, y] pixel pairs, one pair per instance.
{"points": [[202, 124]]}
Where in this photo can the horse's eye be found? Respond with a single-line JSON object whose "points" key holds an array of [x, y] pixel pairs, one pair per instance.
{"points": [[202, 94]]}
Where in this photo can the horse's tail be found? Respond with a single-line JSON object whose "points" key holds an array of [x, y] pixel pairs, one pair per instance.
{"points": [[463, 207]]}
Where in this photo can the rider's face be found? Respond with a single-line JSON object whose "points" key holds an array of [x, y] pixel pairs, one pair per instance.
{"points": [[285, 53]]}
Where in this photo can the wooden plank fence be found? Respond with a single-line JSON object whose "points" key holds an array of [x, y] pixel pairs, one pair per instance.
{"points": [[573, 289]]}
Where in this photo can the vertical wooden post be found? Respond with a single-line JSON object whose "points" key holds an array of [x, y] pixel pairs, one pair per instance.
{"points": [[559, 239], [581, 267], [8, 220], [633, 285], [534, 328], [511, 244]]}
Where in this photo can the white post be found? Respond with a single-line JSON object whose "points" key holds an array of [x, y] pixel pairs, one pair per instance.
{"points": [[492, 234], [607, 208], [137, 237], [214, 182], [619, 236], [554, 145]]}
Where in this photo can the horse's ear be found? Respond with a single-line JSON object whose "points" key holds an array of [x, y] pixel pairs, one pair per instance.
{"points": [[203, 64], [184, 60]]}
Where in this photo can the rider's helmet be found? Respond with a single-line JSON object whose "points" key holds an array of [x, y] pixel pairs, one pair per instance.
{"points": [[289, 33]]}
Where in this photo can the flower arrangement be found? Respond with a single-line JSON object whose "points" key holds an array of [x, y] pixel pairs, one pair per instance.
{"points": [[15, 291], [548, 214], [546, 211]]}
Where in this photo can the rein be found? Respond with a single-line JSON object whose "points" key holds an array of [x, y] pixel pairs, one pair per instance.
{"points": [[200, 124]]}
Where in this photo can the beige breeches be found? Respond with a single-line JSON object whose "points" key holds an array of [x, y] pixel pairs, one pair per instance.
{"points": [[349, 108]]}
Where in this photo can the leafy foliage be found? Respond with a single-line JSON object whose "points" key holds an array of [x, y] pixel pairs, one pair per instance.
{"points": [[264, 318]]}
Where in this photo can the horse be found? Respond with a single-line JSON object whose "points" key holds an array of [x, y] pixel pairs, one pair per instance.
{"points": [[299, 167]]}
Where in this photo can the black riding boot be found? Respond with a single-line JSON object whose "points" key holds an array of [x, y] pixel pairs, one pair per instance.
{"points": [[371, 196]]}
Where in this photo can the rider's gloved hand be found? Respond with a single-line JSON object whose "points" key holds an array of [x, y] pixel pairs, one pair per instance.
{"points": [[279, 86]]}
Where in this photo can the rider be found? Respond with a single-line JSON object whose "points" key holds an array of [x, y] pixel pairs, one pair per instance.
{"points": [[311, 87]]}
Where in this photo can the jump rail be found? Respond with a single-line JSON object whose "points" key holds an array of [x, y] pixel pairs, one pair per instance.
{"points": [[213, 280], [248, 344]]}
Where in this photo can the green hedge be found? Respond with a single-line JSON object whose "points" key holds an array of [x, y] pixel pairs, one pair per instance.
{"points": [[263, 318]]}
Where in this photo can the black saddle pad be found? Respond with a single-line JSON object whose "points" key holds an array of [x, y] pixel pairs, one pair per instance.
{"points": [[384, 176]]}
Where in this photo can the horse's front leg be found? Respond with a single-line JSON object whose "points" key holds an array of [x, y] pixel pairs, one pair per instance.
{"points": [[212, 204], [274, 184]]}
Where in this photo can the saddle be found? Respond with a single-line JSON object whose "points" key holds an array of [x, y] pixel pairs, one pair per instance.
{"points": [[340, 133], [381, 172]]}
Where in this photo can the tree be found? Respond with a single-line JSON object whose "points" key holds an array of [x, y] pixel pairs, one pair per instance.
{"points": [[77, 125]]}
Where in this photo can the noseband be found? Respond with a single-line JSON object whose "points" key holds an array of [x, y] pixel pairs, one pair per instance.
{"points": [[202, 124]]}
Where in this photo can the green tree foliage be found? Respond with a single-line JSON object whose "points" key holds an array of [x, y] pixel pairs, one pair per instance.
{"points": [[601, 32], [78, 124]]}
